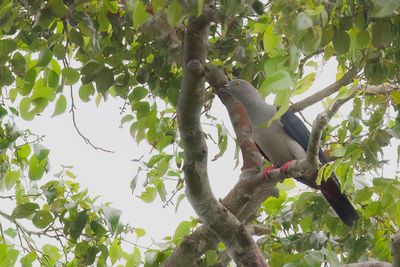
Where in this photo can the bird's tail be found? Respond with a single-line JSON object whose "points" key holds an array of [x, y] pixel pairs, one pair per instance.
{"points": [[339, 201]]}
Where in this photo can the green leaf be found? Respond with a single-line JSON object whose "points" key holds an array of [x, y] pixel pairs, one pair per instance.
{"points": [[90, 69], [382, 34], [138, 94], [75, 37], [6, 76], [104, 22], [182, 230], [362, 39], [36, 168], [85, 253], [78, 224], [42, 92], [70, 75], [211, 257], [59, 51], [112, 216], [41, 152], [24, 109], [18, 63], [61, 106], [341, 41], [277, 81], [115, 251], [45, 57], [52, 79], [7, 46], [104, 80], [149, 195], [161, 191], [200, 6], [314, 258], [140, 14], [11, 178], [52, 255], [271, 41], [125, 119], [85, 91], [140, 232], [384, 8], [287, 185], [174, 13], [222, 141], [304, 84], [303, 21], [133, 182], [97, 228], [57, 8], [28, 259], [273, 205], [11, 232], [42, 219], [24, 210], [178, 201]]}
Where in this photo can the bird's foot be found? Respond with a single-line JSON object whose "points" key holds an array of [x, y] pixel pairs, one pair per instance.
{"points": [[283, 168], [267, 170]]}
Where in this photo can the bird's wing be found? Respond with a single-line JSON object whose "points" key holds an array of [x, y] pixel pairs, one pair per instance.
{"points": [[298, 131], [262, 152]]}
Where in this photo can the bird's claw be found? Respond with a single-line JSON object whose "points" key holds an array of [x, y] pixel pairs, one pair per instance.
{"points": [[267, 170], [283, 168]]}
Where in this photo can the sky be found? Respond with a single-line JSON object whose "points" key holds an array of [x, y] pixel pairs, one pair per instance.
{"points": [[109, 174]]}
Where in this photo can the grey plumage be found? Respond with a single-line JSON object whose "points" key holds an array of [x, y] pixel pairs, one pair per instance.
{"points": [[284, 140]]}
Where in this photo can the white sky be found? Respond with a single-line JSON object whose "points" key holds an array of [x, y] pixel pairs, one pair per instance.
{"points": [[109, 175]]}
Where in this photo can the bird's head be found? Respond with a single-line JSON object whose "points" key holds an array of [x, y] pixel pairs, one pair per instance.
{"points": [[242, 90]]}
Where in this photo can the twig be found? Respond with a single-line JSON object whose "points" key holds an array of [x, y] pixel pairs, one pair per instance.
{"points": [[303, 61], [327, 91], [87, 140], [73, 107]]}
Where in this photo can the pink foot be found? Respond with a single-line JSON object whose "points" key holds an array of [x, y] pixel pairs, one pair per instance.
{"points": [[283, 168], [267, 170]]}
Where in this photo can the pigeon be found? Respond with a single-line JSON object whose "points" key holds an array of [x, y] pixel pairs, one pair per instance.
{"points": [[284, 140]]}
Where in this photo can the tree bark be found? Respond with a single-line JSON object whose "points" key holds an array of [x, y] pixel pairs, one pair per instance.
{"points": [[212, 213]]}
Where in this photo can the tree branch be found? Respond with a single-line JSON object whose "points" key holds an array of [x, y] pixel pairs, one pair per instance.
{"points": [[246, 196], [165, 36], [395, 249], [311, 163], [212, 213], [329, 90], [368, 264]]}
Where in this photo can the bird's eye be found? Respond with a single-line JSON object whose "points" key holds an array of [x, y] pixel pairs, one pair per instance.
{"points": [[237, 83]]}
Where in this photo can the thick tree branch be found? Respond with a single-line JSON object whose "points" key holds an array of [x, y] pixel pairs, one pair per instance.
{"points": [[368, 264], [246, 196], [395, 248], [329, 90], [212, 213], [311, 163], [165, 36]]}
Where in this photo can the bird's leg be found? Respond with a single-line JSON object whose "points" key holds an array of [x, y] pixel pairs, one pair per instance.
{"points": [[267, 170], [283, 168]]}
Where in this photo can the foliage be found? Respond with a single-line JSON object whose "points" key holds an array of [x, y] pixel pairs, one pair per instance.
{"points": [[99, 49]]}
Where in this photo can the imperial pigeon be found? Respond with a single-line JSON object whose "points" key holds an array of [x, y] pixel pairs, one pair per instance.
{"points": [[286, 140]]}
